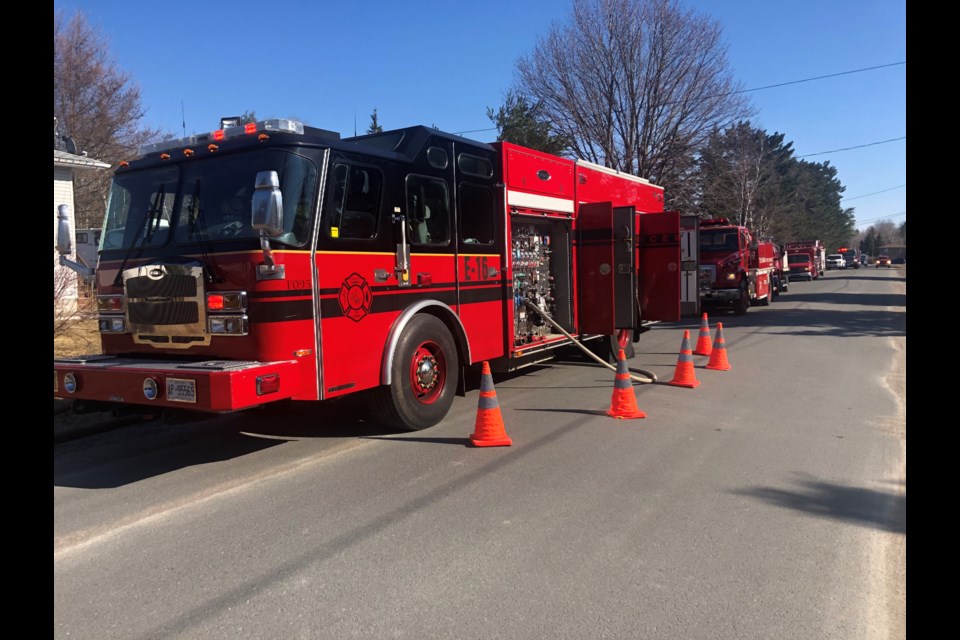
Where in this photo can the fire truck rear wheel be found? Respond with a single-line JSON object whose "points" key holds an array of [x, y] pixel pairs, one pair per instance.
{"points": [[607, 348], [424, 375]]}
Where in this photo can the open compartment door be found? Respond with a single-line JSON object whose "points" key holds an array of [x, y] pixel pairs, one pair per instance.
{"points": [[659, 266], [595, 268]]}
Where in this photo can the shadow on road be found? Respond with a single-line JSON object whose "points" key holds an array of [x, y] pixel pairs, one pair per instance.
{"points": [[883, 510], [149, 449], [838, 297]]}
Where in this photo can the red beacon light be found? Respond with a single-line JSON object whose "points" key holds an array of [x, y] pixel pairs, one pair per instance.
{"points": [[709, 222]]}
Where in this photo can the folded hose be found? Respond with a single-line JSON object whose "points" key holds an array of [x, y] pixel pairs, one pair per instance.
{"points": [[650, 377]]}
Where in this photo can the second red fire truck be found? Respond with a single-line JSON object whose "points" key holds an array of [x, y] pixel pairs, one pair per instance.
{"points": [[736, 270], [276, 261]]}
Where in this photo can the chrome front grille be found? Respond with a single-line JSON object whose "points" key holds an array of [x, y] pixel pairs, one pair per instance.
{"points": [[166, 305], [708, 275]]}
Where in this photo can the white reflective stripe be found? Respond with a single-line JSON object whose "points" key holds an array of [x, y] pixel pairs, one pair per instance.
{"points": [[614, 172], [533, 201]]}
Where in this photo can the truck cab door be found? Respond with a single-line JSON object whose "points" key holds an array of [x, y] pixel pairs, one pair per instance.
{"points": [[659, 258]]}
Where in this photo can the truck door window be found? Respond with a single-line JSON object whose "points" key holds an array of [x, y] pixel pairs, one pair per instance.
{"points": [[474, 165], [476, 214], [353, 206], [428, 211]]}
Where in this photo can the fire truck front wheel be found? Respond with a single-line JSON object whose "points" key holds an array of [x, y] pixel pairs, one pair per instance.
{"points": [[743, 303], [424, 375]]}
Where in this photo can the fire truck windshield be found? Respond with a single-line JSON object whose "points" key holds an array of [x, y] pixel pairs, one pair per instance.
{"points": [[718, 240], [213, 202], [797, 258]]}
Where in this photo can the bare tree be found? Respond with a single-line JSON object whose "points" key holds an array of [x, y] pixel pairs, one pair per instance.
{"points": [[636, 85], [98, 106]]}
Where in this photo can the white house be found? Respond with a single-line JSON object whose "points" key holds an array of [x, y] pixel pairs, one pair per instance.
{"points": [[64, 166]]}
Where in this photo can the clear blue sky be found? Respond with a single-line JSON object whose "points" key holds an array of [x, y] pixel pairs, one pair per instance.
{"points": [[443, 62]]}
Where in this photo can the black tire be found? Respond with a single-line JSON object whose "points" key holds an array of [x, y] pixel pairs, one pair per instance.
{"points": [[741, 306], [425, 373], [608, 348]]}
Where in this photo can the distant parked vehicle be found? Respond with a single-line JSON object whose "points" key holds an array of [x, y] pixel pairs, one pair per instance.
{"points": [[836, 261], [899, 261], [883, 261]]}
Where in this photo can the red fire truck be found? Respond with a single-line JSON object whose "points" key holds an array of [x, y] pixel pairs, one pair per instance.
{"points": [[807, 259], [276, 261], [736, 270]]}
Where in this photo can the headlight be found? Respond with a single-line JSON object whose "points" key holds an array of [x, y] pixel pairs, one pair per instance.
{"points": [[730, 276], [111, 324], [227, 325]]}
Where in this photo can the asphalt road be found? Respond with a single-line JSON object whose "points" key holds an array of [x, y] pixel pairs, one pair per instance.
{"points": [[769, 502]]}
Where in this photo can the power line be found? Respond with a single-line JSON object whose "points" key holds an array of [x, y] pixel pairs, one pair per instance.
{"points": [[460, 133], [769, 86], [831, 75], [874, 193], [859, 146], [895, 215]]}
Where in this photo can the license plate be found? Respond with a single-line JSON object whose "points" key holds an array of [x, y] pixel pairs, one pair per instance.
{"points": [[181, 390]]}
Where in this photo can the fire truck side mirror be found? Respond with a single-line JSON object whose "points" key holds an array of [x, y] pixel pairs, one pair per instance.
{"points": [[64, 231], [267, 204]]}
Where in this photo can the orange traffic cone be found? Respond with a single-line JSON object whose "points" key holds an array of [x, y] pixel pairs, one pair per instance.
{"points": [[718, 359], [489, 430], [623, 405], [684, 375], [704, 344]]}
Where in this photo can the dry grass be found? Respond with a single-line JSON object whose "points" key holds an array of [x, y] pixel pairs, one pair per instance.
{"points": [[80, 337]]}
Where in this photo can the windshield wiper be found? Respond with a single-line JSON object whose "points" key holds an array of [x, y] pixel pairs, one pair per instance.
{"points": [[152, 214], [198, 229]]}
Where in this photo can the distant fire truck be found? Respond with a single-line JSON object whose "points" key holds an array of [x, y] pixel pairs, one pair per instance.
{"points": [[736, 270], [807, 259], [276, 261]]}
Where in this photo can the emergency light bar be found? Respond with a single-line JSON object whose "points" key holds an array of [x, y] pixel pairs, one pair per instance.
{"points": [[707, 222], [279, 125]]}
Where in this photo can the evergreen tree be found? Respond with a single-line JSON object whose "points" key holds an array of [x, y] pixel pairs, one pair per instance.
{"points": [[522, 122], [741, 175], [374, 124]]}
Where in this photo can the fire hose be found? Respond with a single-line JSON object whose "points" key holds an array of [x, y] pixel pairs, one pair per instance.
{"points": [[649, 376]]}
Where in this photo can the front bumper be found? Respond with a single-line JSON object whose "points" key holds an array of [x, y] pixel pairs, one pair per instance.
{"points": [[720, 295], [214, 385]]}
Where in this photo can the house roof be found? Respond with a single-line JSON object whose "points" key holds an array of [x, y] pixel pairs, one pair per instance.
{"points": [[64, 159]]}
